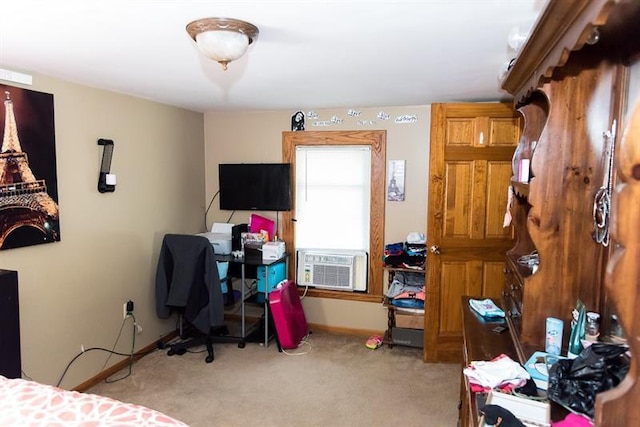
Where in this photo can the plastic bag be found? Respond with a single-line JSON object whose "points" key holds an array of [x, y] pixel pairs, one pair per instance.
{"points": [[574, 383]]}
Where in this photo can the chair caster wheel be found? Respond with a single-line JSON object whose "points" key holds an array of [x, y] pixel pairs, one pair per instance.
{"points": [[209, 359], [171, 352], [241, 345], [181, 351]]}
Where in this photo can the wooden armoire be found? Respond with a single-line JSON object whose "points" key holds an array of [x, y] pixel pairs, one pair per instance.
{"points": [[576, 83]]}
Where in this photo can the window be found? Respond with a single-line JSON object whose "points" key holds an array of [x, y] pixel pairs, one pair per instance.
{"points": [[335, 185], [332, 187]]}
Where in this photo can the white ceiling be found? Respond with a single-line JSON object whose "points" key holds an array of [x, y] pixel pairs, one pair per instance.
{"points": [[309, 54]]}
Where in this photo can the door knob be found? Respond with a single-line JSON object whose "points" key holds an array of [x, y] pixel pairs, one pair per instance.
{"points": [[435, 249]]}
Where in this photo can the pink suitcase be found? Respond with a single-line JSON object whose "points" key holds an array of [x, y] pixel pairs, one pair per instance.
{"points": [[288, 315]]}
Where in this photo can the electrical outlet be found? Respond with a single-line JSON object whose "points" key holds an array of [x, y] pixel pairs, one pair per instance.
{"points": [[127, 309]]}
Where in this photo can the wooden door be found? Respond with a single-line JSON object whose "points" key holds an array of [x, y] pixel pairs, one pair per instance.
{"points": [[470, 167]]}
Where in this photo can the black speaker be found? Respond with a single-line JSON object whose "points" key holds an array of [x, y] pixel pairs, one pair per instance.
{"points": [[236, 236], [10, 365], [250, 271]]}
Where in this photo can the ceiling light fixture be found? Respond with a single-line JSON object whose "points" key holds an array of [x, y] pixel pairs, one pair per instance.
{"points": [[222, 39], [517, 38]]}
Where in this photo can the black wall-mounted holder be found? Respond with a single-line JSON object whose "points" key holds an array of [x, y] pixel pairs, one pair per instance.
{"points": [[103, 186]]}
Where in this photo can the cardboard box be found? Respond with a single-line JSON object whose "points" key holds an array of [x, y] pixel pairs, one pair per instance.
{"points": [[409, 321], [530, 412]]}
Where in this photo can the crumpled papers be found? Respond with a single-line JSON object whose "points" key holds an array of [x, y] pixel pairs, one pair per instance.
{"points": [[496, 373]]}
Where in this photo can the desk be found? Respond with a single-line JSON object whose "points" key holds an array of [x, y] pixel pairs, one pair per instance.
{"points": [[242, 261]]}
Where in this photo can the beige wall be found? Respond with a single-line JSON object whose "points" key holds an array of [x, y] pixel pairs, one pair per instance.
{"points": [[71, 292], [246, 137]]}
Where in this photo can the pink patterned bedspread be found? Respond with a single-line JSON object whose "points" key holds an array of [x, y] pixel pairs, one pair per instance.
{"points": [[27, 403]]}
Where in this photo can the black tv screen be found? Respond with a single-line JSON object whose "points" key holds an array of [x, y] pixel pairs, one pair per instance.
{"points": [[255, 186]]}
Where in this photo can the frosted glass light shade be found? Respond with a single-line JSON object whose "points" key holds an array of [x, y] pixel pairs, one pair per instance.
{"points": [[517, 38], [222, 39], [222, 46]]}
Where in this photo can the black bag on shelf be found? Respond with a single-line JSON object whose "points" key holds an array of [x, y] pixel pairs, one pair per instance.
{"points": [[574, 383]]}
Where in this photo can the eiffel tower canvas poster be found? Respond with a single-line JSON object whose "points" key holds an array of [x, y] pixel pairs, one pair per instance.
{"points": [[29, 212]]}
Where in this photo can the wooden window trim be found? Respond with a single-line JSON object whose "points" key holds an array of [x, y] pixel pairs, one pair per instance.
{"points": [[377, 141]]}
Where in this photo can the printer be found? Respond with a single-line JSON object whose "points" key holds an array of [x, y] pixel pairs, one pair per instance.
{"points": [[220, 238]]}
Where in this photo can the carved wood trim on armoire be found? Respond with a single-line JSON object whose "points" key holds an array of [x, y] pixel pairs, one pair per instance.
{"points": [[576, 82]]}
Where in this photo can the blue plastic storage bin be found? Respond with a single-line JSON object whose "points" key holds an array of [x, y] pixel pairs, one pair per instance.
{"points": [[277, 273]]}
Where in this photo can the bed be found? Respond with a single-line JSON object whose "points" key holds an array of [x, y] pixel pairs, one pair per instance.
{"points": [[28, 403]]}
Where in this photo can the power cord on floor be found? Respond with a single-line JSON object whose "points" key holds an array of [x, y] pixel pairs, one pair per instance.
{"points": [[83, 352], [301, 353], [181, 337], [111, 352], [133, 344]]}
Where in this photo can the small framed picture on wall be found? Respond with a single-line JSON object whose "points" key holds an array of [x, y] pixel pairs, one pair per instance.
{"points": [[395, 181]]}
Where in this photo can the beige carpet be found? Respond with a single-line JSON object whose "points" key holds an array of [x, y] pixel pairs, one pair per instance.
{"points": [[339, 382]]}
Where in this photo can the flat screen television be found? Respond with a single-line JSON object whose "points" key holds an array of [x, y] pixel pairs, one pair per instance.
{"points": [[255, 186]]}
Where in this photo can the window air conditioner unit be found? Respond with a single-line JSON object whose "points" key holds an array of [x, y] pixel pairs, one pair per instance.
{"points": [[327, 270]]}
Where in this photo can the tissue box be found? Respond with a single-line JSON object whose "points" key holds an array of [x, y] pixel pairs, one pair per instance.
{"points": [[272, 250]]}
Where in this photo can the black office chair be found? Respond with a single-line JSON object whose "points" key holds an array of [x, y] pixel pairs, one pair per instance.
{"points": [[188, 283]]}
